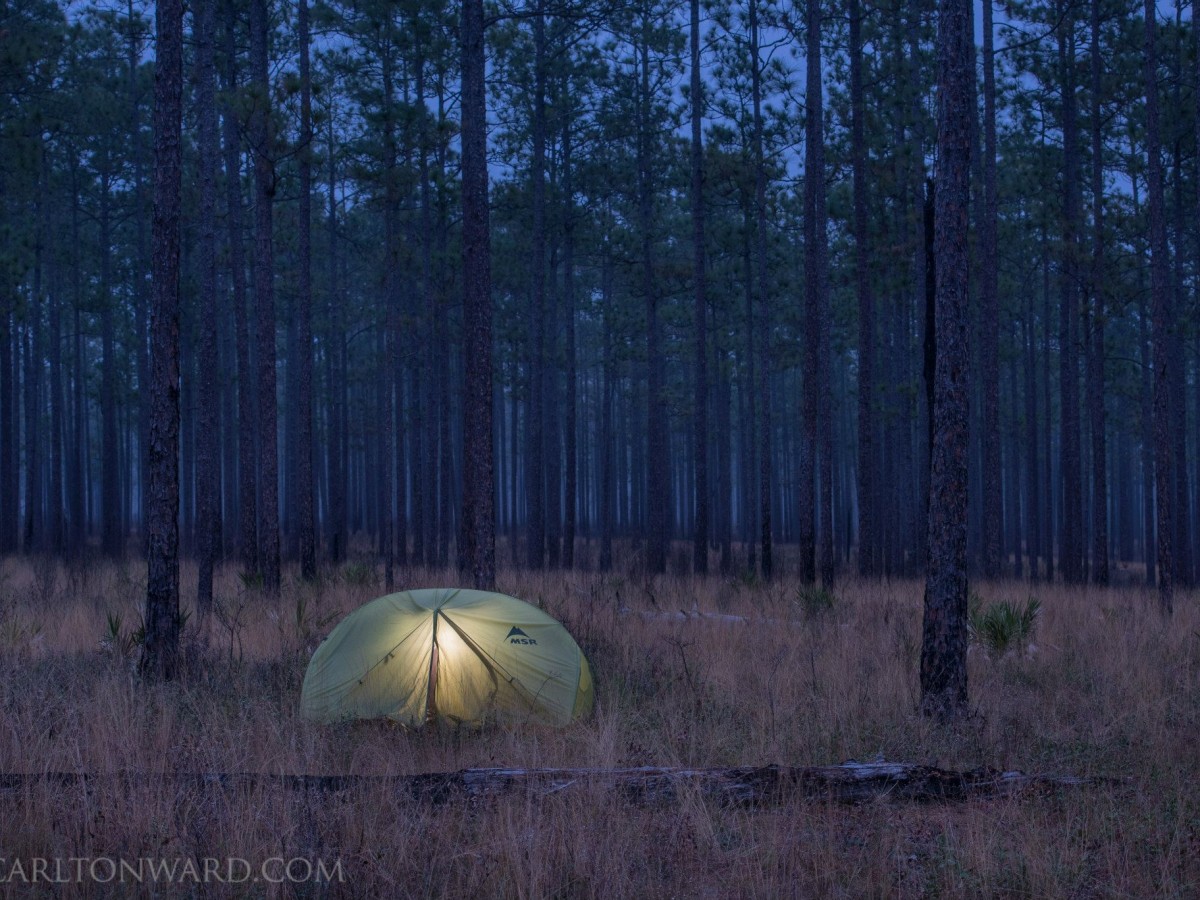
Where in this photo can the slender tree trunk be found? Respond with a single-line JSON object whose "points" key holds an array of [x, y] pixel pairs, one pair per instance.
{"points": [[306, 527], [264, 291], [111, 539], [1072, 516], [535, 487], [33, 406], [160, 646], [571, 424], [817, 285], [478, 471], [1161, 321], [944, 641], [1177, 403], [607, 443], [133, 60], [989, 301], [658, 488], [208, 523], [8, 433], [868, 502], [77, 474], [814, 512], [699, 306], [247, 418], [1098, 316], [1033, 517], [57, 528], [335, 376], [1051, 491], [389, 332], [762, 300]]}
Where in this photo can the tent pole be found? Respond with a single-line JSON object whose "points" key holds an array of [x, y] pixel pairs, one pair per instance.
{"points": [[431, 697]]}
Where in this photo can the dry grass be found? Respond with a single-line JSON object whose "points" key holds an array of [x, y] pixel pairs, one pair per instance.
{"points": [[1112, 689]]}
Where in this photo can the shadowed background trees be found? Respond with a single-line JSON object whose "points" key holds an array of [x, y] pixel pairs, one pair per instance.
{"points": [[707, 288]]}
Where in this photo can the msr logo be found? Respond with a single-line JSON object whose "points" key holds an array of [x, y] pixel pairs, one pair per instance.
{"points": [[517, 636]]}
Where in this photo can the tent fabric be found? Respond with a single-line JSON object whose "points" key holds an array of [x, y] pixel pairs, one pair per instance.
{"points": [[450, 655]]}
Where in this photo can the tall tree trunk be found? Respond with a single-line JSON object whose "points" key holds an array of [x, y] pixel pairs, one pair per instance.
{"points": [[658, 488], [1099, 567], [762, 286], [1072, 516], [264, 299], [816, 371], [608, 395], [111, 540], [388, 333], [1161, 321], [335, 376], [9, 430], [306, 527], [57, 526], [990, 312], [77, 470], [699, 307], [133, 60], [944, 640], [817, 286], [1033, 517], [208, 522], [478, 473], [161, 636], [535, 486], [868, 502], [1177, 403], [1051, 491], [247, 419], [33, 405], [571, 423]]}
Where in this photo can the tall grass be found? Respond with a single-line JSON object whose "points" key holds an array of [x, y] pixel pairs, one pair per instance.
{"points": [[1113, 689]]}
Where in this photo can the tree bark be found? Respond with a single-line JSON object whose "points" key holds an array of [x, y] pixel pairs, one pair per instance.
{"points": [[208, 522], [111, 540], [868, 502], [478, 472], [247, 474], [571, 423], [160, 658], [699, 306], [818, 284], [535, 481], [1099, 314], [133, 60], [658, 487], [1160, 319], [1072, 517], [990, 312], [944, 639], [9, 473], [762, 317], [306, 527], [264, 297], [335, 376]]}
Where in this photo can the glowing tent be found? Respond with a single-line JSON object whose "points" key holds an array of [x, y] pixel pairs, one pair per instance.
{"points": [[458, 656]]}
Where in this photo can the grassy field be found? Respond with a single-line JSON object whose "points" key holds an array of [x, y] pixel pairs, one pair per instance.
{"points": [[1108, 687]]}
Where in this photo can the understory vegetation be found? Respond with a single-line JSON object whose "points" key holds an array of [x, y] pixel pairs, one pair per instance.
{"points": [[1105, 686]]}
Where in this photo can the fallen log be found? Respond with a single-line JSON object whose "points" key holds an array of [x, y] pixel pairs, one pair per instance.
{"points": [[850, 782]]}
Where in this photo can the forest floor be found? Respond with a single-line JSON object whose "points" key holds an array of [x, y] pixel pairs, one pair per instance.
{"points": [[1107, 688]]}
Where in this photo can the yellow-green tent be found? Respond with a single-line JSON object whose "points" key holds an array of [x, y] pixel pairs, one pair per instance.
{"points": [[445, 654]]}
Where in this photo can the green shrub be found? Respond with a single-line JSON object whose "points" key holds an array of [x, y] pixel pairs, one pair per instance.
{"points": [[999, 627]]}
